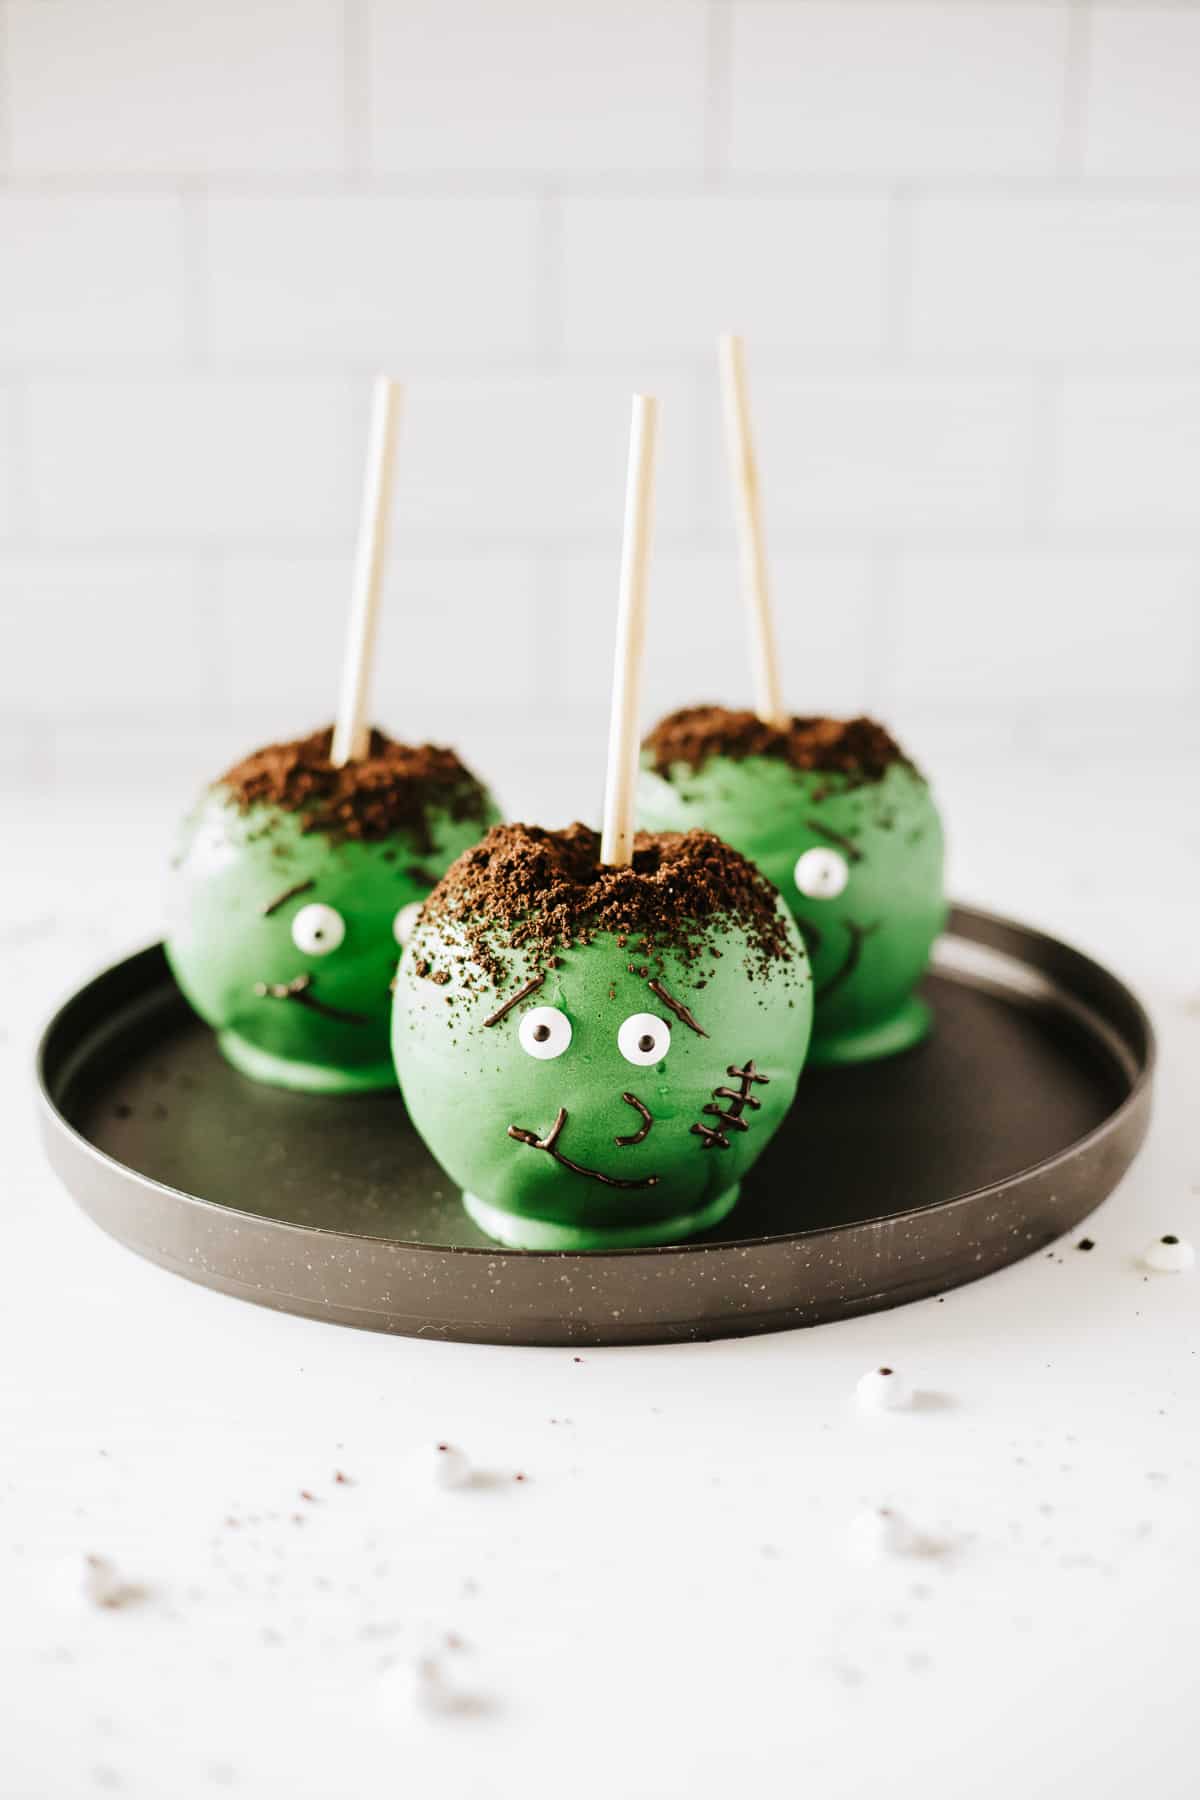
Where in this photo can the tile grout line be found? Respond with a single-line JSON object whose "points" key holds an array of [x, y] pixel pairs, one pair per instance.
{"points": [[20, 436], [1046, 397], [898, 274], [880, 648], [550, 281], [197, 299], [6, 97], [652, 184], [1076, 77], [356, 92], [718, 101], [550, 664]]}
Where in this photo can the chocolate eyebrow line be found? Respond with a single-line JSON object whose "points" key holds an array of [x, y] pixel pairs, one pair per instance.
{"points": [[531, 987], [835, 837], [676, 1006], [298, 887]]}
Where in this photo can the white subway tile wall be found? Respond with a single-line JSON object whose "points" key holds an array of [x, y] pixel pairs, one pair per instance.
{"points": [[961, 238]]}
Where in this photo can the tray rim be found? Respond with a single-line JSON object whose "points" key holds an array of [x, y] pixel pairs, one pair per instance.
{"points": [[1144, 1061]]}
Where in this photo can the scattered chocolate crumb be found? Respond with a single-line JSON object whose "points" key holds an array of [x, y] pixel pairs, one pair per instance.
{"points": [[523, 887], [305, 1495], [342, 1480], [858, 748], [391, 789], [1168, 1237], [577, 1359], [519, 1477], [1086, 1244]]}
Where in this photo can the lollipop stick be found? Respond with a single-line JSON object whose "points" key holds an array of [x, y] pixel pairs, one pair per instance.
{"points": [[768, 697], [351, 734], [616, 840]]}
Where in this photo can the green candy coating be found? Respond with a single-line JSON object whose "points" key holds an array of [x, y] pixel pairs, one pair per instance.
{"points": [[870, 943], [224, 948], [465, 1083]]}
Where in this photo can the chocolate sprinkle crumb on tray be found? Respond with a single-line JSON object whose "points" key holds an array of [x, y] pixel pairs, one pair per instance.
{"points": [[858, 748], [542, 891], [389, 790]]}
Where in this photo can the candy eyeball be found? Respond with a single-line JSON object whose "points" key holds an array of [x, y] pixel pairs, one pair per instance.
{"points": [[643, 1039], [544, 1032], [439, 1465], [878, 1532], [318, 929], [1169, 1255], [821, 873], [405, 922], [882, 1390]]}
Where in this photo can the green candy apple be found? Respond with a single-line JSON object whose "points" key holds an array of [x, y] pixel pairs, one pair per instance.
{"points": [[598, 1061], [292, 890], [853, 840]]}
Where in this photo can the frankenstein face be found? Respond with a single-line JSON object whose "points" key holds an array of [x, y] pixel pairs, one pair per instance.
{"points": [[286, 943], [604, 1099], [860, 866]]}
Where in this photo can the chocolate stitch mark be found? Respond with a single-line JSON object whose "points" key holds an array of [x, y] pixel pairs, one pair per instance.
{"points": [[298, 989], [531, 987], [740, 1098], [676, 1006], [643, 1132], [299, 887], [835, 837], [549, 1142]]}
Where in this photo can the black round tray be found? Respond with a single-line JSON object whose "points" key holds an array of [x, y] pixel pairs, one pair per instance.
{"points": [[887, 1182]]}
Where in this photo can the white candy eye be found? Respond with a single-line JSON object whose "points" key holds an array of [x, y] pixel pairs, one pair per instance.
{"points": [[318, 929], [822, 873], [405, 921], [643, 1039], [544, 1032]]}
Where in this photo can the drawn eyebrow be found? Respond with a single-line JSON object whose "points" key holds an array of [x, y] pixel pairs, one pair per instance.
{"points": [[531, 987], [299, 887], [676, 1006], [835, 837]]}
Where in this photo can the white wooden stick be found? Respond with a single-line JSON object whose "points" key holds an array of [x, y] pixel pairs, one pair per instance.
{"points": [[764, 654], [620, 791], [351, 734]]}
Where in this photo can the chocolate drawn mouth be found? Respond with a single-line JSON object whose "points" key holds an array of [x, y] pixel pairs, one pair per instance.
{"points": [[643, 1131], [814, 938], [300, 990], [550, 1141]]}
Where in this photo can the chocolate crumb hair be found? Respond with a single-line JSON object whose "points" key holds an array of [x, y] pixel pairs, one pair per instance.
{"points": [[389, 790], [523, 887], [858, 748]]}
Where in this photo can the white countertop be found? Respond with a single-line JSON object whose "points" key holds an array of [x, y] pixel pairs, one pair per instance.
{"points": [[668, 1604]]}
